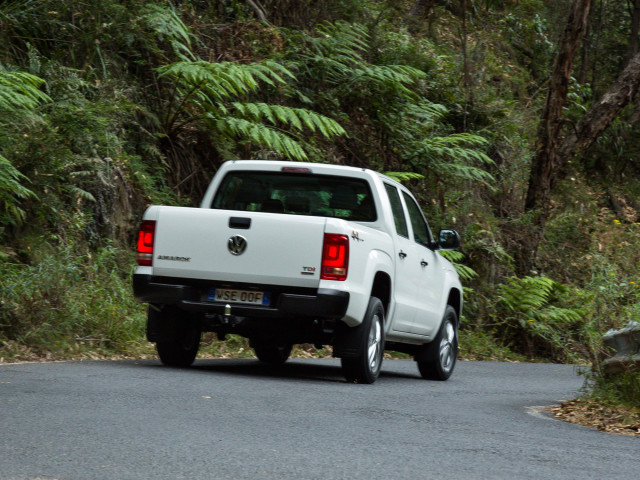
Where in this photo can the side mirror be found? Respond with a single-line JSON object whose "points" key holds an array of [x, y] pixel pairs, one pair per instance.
{"points": [[448, 240]]}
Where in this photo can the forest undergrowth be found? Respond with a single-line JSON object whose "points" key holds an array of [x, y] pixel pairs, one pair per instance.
{"points": [[107, 107]]}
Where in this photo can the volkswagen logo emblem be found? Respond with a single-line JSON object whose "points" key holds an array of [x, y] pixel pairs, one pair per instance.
{"points": [[237, 245]]}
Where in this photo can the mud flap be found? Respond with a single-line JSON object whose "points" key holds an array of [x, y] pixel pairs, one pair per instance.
{"points": [[161, 323], [347, 341]]}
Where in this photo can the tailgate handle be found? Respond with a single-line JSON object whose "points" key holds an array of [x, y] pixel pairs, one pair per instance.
{"points": [[240, 222]]}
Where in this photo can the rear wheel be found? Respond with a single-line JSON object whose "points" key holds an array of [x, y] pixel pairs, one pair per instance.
{"points": [[437, 359], [180, 340], [365, 367], [273, 354]]}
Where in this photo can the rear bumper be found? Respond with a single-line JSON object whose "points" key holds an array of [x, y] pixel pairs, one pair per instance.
{"points": [[322, 303]]}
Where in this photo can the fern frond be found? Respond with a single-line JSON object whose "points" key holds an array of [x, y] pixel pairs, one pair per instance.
{"points": [[341, 38], [80, 193], [392, 74], [453, 156], [167, 25], [338, 57], [526, 294], [464, 172], [404, 176], [462, 140], [12, 191], [559, 315], [426, 111], [394, 78], [297, 118], [20, 91], [220, 81], [262, 135], [455, 257]]}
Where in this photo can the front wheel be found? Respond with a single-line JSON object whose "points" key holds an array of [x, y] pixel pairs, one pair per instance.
{"points": [[437, 359], [365, 367]]}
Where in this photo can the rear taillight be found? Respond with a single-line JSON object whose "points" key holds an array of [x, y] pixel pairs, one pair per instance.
{"points": [[335, 257], [146, 236]]}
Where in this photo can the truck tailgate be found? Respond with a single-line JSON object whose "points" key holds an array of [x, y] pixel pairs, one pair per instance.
{"points": [[280, 249]]}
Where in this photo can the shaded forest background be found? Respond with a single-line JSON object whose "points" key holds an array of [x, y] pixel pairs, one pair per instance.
{"points": [[109, 106]]}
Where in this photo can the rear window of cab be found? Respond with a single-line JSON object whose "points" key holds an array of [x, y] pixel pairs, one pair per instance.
{"points": [[296, 194]]}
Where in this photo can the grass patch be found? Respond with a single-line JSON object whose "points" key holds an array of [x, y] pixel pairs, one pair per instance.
{"points": [[621, 389], [70, 306], [479, 345]]}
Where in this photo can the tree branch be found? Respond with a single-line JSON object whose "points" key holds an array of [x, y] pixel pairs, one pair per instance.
{"points": [[258, 10], [604, 112]]}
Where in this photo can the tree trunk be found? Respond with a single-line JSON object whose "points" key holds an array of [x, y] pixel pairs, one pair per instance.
{"points": [[541, 178], [554, 152], [420, 11], [604, 112], [635, 29], [545, 162], [584, 56]]}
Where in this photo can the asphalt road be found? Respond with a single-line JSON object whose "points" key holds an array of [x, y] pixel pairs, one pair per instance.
{"points": [[238, 419]]}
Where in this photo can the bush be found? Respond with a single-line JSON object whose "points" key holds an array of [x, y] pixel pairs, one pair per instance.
{"points": [[66, 303], [619, 389]]}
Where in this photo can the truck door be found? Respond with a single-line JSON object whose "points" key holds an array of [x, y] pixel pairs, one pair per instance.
{"points": [[430, 277], [407, 271]]}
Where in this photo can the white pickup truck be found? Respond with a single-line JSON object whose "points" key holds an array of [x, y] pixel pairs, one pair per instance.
{"points": [[287, 253]]}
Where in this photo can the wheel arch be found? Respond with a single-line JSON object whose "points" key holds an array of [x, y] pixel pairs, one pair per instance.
{"points": [[455, 300], [381, 289]]}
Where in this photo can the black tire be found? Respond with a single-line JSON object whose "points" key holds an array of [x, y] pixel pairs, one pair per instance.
{"points": [[273, 354], [437, 359], [365, 367], [181, 341]]}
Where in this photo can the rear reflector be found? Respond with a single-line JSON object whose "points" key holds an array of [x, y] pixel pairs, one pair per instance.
{"points": [[335, 257], [146, 237]]}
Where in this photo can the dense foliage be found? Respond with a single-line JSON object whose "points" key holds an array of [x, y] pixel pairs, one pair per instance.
{"points": [[106, 107]]}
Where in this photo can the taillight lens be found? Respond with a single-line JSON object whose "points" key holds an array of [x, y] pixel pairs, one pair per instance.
{"points": [[335, 257], [146, 236]]}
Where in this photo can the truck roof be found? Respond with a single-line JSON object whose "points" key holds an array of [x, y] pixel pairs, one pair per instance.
{"points": [[325, 168]]}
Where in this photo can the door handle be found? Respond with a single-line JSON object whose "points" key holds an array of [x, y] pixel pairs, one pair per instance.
{"points": [[424, 263], [402, 254]]}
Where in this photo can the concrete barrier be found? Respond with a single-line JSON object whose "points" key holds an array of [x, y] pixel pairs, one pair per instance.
{"points": [[624, 344]]}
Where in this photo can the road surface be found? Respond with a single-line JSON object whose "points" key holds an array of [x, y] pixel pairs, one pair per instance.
{"points": [[239, 419]]}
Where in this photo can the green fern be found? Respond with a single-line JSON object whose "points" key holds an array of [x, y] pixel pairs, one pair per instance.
{"points": [[527, 304], [167, 25], [215, 94], [526, 294], [341, 39], [398, 109], [12, 192], [339, 57], [404, 176], [261, 135], [20, 91], [456, 257], [453, 156], [296, 118]]}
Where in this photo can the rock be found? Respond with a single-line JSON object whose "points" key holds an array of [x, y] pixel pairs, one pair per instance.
{"points": [[625, 345]]}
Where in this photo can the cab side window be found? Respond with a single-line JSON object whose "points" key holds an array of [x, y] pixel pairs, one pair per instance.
{"points": [[397, 210], [420, 228]]}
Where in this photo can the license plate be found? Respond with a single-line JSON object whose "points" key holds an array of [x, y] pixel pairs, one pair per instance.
{"points": [[238, 296]]}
